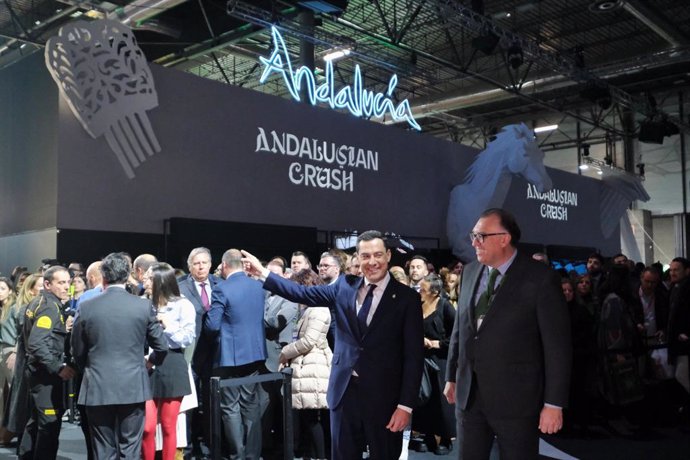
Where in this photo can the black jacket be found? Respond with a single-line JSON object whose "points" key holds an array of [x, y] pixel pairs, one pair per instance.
{"points": [[45, 334]]}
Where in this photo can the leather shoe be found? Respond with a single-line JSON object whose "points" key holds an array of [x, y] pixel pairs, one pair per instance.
{"points": [[421, 447], [441, 450]]}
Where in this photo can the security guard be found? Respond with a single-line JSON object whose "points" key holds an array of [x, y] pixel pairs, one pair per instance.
{"points": [[44, 335]]}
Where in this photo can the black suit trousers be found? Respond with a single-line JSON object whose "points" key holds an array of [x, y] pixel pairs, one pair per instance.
{"points": [[116, 430], [517, 438], [352, 430]]}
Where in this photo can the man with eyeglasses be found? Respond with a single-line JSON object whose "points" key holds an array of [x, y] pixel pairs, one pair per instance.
{"points": [[377, 362], [510, 352], [329, 268]]}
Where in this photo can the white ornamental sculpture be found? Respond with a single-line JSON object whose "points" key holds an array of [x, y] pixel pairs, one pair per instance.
{"points": [[104, 76]]}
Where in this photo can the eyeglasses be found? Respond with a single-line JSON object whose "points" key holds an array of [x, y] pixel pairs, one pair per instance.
{"points": [[324, 266], [481, 236]]}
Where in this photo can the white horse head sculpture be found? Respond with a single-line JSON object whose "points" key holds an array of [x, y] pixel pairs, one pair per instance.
{"points": [[513, 152]]}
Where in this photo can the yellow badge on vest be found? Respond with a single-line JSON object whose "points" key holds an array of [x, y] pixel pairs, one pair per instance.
{"points": [[44, 322], [50, 412]]}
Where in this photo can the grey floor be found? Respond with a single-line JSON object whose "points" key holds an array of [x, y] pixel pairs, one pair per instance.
{"points": [[668, 443], [72, 445]]}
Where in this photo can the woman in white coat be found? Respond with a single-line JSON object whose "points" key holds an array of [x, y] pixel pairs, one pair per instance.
{"points": [[310, 357]]}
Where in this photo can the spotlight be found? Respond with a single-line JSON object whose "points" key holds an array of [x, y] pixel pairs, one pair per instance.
{"points": [[605, 6], [655, 127], [585, 150], [515, 56], [670, 129], [651, 132]]}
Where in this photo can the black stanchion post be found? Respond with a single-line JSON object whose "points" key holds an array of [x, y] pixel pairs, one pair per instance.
{"points": [[288, 437], [215, 418]]}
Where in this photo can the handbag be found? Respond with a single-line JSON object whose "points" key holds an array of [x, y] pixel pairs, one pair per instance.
{"points": [[625, 383], [428, 379]]}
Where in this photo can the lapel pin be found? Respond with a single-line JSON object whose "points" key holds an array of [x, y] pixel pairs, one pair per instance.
{"points": [[394, 296]]}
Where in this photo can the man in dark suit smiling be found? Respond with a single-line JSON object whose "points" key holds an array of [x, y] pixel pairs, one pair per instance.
{"points": [[510, 350], [377, 365]]}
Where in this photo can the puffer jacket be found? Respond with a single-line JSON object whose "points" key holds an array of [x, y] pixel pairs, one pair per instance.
{"points": [[310, 358]]}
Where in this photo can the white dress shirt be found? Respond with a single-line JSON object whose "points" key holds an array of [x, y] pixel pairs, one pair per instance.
{"points": [[180, 322], [378, 293]]}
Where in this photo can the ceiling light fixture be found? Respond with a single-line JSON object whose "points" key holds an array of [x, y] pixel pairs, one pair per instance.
{"points": [[542, 129], [337, 54]]}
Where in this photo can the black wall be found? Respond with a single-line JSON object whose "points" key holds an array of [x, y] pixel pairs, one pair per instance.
{"points": [[28, 147]]}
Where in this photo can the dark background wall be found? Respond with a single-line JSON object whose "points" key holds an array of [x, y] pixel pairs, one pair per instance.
{"points": [[582, 226], [208, 168], [55, 175], [28, 147]]}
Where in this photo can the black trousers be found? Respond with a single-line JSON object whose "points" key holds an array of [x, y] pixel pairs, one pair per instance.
{"points": [[517, 438], [116, 430], [199, 418], [353, 427], [41, 435]]}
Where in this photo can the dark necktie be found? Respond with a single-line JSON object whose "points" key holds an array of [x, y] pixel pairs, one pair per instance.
{"points": [[484, 300], [204, 297], [364, 310]]}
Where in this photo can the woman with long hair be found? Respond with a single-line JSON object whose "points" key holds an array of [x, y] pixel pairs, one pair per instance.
{"points": [[77, 287], [7, 300], [583, 373], [14, 355], [436, 417], [310, 357], [620, 343], [169, 380]]}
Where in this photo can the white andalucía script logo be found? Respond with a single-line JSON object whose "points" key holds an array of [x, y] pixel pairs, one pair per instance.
{"points": [[358, 101]]}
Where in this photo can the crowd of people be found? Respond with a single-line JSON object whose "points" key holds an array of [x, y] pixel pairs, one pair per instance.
{"points": [[139, 341], [630, 325]]}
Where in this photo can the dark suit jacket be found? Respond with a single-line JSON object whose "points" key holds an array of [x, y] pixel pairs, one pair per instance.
{"points": [[201, 352], [280, 317], [679, 319], [108, 343], [521, 355], [661, 308], [237, 314], [388, 358]]}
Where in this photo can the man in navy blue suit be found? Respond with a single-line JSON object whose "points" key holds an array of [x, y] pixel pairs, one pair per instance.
{"points": [[237, 314], [377, 364]]}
